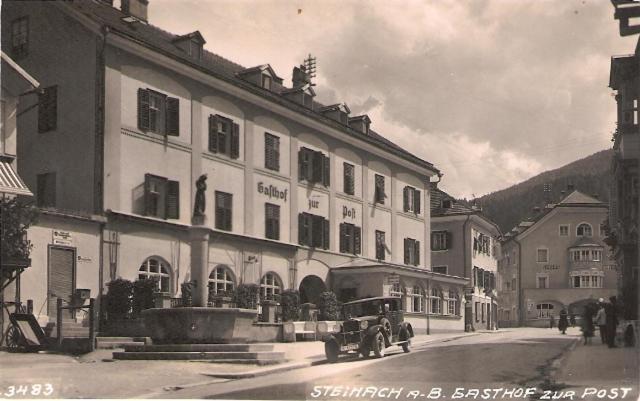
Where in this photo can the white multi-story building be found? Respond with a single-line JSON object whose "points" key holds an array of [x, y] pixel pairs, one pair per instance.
{"points": [[299, 195]]}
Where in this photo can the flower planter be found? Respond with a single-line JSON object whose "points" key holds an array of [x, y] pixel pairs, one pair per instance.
{"points": [[198, 325]]}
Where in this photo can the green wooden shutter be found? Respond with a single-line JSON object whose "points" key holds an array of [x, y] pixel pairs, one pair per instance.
{"points": [[213, 133], [343, 237], [407, 250], [417, 196], [357, 240], [326, 170], [143, 109], [229, 212], [303, 164], [234, 152], [303, 229], [276, 153], [317, 169], [147, 195], [173, 200], [173, 117], [405, 199], [268, 151], [449, 236], [325, 233], [416, 248]]}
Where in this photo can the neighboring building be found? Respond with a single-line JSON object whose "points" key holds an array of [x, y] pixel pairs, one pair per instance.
{"points": [[464, 243], [16, 83], [624, 198], [558, 260], [300, 195]]}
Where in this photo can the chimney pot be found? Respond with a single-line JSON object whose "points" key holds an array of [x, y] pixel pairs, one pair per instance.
{"points": [[135, 8]]}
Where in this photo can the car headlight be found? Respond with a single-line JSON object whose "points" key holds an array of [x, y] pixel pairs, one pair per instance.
{"points": [[337, 328], [364, 324]]}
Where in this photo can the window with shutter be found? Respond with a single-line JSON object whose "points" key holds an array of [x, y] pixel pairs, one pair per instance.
{"points": [[272, 226], [440, 240], [224, 132], [317, 231], [379, 194], [416, 253], [143, 109], [343, 238], [408, 245], [349, 178], [224, 202], [155, 196], [380, 245], [417, 195], [173, 199], [173, 116], [304, 229], [234, 151], [271, 152], [48, 109], [317, 167], [405, 199], [326, 170], [350, 241], [304, 164], [213, 133], [357, 241], [325, 233]]}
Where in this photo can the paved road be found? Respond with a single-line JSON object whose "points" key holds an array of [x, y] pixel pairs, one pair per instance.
{"points": [[517, 359]]}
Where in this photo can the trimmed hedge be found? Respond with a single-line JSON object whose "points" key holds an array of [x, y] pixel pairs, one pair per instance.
{"points": [[328, 306]]}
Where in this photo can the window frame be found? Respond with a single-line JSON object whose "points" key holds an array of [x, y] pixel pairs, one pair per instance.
{"points": [[272, 221], [411, 252], [228, 279], [349, 178], [435, 300], [440, 240], [163, 277], [544, 313], [271, 152], [223, 210], [538, 255], [21, 49], [48, 109], [380, 242], [379, 189], [545, 278], [270, 286], [446, 269], [584, 224], [565, 226]]}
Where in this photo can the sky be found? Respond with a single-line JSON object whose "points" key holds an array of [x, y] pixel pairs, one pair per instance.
{"points": [[490, 92]]}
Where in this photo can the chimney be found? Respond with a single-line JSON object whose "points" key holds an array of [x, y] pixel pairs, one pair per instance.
{"points": [[300, 77], [360, 123], [135, 8]]}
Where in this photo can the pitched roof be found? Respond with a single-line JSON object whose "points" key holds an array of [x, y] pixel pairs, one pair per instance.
{"points": [[578, 198], [437, 209], [162, 41]]}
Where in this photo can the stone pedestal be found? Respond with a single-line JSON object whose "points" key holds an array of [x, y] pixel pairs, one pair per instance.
{"points": [[199, 237]]}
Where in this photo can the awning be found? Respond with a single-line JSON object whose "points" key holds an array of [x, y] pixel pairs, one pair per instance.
{"points": [[10, 182]]}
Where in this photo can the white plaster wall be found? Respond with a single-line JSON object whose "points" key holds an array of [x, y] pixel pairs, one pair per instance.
{"points": [[311, 267], [140, 156], [380, 220], [260, 199], [213, 105], [312, 201], [342, 155], [136, 74], [376, 167], [228, 178], [264, 124]]}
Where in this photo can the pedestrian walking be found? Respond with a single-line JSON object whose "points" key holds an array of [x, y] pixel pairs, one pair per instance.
{"points": [[552, 321], [601, 321], [572, 320], [611, 319], [587, 324], [563, 323]]}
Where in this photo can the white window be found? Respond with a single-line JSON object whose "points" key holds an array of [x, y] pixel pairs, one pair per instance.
{"points": [[440, 240], [584, 230], [564, 230], [221, 280], [542, 255], [416, 299], [270, 286], [587, 279], [452, 303], [544, 310], [159, 270], [435, 302]]}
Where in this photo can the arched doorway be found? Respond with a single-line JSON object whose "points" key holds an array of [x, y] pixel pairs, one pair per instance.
{"points": [[310, 289]]}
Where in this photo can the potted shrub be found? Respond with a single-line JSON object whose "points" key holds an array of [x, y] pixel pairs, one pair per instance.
{"points": [[246, 296], [118, 302], [290, 303], [220, 299], [328, 306], [144, 295]]}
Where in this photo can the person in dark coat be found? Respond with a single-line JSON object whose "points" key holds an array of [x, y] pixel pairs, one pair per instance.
{"points": [[611, 321], [552, 321], [563, 323], [587, 324]]}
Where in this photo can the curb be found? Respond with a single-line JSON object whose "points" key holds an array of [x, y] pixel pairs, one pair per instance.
{"points": [[556, 365], [318, 360]]}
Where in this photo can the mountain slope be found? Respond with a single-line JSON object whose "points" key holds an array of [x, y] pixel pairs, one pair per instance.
{"points": [[509, 206]]}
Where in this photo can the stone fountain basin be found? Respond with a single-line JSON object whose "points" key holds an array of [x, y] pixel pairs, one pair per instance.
{"points": [[199, 325]]}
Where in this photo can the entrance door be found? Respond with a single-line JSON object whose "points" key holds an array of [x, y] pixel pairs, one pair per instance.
{"points": [[310, 289], [61, 278]]}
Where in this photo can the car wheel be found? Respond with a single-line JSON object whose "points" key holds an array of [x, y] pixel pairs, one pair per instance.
{"points": [[365, 350], [14, 338], [377, 345], [331, 351], [386, 324]]}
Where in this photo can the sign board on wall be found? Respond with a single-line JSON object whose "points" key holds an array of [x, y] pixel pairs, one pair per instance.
{"points": [[393, 279], [63, 238]]}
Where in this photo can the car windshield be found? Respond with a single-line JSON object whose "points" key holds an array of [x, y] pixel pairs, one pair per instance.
{"points": [[363, 309]]}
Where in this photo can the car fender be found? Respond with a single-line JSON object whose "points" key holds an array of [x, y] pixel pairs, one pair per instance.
{"points": [[331, 338], [378, 328], [407, 326]]}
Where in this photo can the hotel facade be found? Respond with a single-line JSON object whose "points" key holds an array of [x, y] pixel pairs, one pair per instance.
{"points": [[299, 195]]}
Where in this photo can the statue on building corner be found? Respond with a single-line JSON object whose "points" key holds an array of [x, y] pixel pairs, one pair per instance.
{"points": [[200, 202]]}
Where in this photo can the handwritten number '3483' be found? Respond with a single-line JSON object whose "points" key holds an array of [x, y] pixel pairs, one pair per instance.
{"points": [[29, 390]]}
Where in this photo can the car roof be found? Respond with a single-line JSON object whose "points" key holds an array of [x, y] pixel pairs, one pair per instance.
{"points": [[357, 301]]}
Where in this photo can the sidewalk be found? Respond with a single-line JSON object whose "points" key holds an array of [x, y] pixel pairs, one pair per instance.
{"points": [[97, 375], [598, 367]]}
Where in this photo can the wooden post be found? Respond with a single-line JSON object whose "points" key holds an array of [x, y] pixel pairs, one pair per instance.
{"points": [[59, 321], [92, 330], [30, 306]]}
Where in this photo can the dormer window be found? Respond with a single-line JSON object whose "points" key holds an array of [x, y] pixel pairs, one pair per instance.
{"points": [[360, 123], [266, 81], [338, 112], [191, 43], [303, 95]]}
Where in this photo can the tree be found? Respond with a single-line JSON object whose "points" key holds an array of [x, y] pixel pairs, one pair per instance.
{"points": [[16, 218]]}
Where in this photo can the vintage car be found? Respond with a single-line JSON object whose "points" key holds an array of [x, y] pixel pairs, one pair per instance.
{"points": [[370, 324]]}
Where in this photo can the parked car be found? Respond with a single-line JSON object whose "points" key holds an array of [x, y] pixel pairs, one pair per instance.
{"points": [[370, 324]]}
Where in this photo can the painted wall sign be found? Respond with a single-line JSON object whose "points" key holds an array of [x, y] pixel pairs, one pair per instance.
{"points": [[348, 212], [272, 191], [551, 267], [84, 259], [63, 238], [393, 279]]}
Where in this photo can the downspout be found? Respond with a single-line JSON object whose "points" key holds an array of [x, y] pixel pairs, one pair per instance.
{"points": [[428, 294], [467, 316], [520, 298]]}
